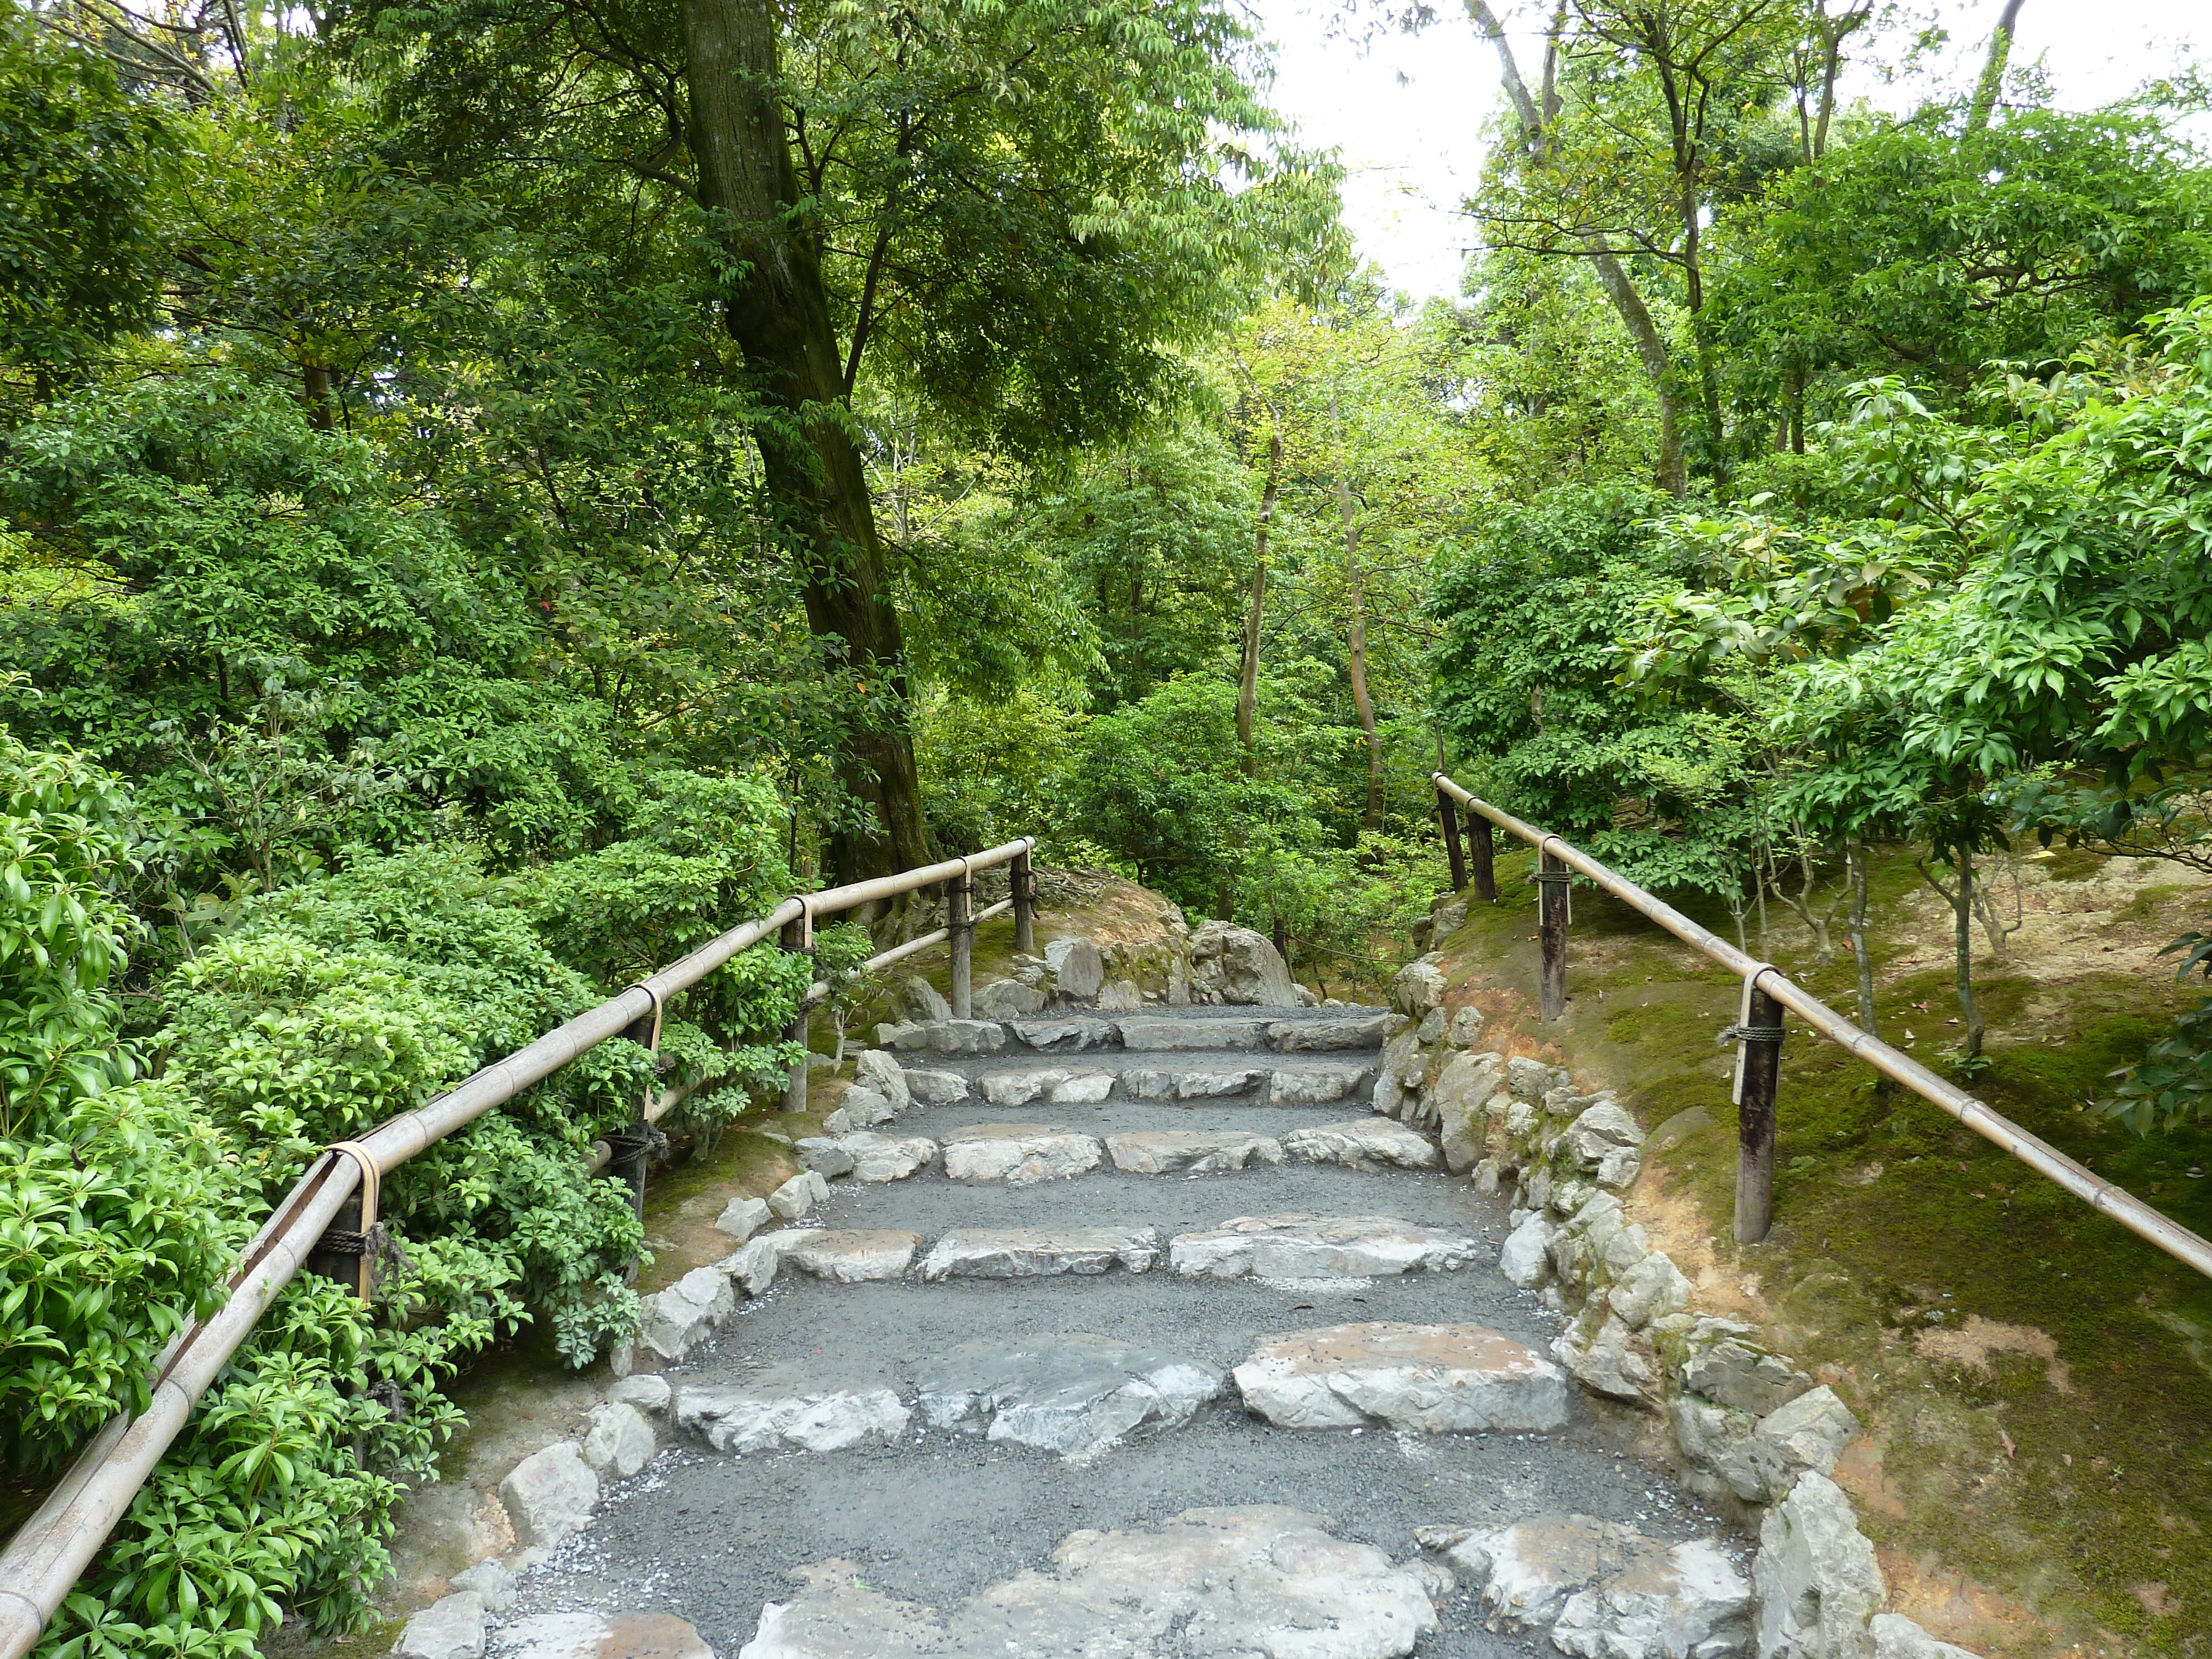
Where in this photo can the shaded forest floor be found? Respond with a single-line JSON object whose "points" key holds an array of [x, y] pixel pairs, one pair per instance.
{"points": [[2037, 1383]]}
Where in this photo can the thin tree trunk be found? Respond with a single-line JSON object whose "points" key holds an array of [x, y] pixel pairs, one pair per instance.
{"points": [[1967, 1007], [1993, 74], [1356, 590], [1247, 673], [1670, 473], [778, 312], [1862, 957]]}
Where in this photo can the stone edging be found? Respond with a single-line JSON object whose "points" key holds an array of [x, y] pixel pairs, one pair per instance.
{"points": [[1750, 1430]]}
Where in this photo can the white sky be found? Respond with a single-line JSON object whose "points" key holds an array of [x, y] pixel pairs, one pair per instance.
{"points": [[1406, 113]]}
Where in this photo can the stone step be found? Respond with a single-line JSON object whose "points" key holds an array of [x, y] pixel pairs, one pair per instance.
{"points": [[1276, 1031], [1076, 1393], [791, 1408], [854, 1256], [1039, 1252], [1018, 1154], [1092, 1081], [1301, 1247], [1246, 1581], [1190, 1151], [1601, 1587], [1367, 1143], [1434, 1379]]}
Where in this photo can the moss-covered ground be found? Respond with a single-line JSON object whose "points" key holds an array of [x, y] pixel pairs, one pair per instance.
{"points": [[2037, 1381]]}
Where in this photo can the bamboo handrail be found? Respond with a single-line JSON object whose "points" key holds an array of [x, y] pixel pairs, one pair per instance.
{"points": [[2046, 1160], [48, 1552]]}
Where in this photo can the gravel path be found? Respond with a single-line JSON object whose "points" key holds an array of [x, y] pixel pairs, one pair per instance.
{"points": [[939, 1516]]}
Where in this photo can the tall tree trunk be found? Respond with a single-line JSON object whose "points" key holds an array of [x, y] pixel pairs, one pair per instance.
{"points": [[1963, 905], [778, 313], [1356, 587], [1619, 289], [1248, 673], [1993, 74], [1854, 855]]}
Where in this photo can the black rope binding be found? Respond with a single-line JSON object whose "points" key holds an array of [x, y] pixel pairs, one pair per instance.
{"points": [[1772, 1034]]}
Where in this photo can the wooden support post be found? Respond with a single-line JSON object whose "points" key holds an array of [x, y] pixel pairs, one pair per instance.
{"points": [[339, 1253], [960, 920], [632, 1148], [1025, 896], [798, 936], [1759, 1070], [1481, 856], [1552, 911], [1447, 814]]}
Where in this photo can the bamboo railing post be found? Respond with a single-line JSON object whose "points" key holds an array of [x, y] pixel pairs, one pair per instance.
{"points": [[1481, 856], [1025, 896], [797, 936], [632, 1147], [1552, 880], [960, 920], [1447, 815], [1758, 1070]]}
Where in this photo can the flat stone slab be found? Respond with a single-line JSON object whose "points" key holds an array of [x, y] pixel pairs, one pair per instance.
{"points": [[855, 1256], [599, 1636], [1190, 1151], [1075, 1395], [1208, 1084], [1255, 1582], [1064, 1036], [1052, 1083], [1157, 1034], [1289, 1036], [1317, 1085], [1318, 1247], [1601, 1588], [787, 1408], [1437, 1379], [1039, 1252], [878, 1158], [1367, 1143], [936, 1087], [1018, 1154]]}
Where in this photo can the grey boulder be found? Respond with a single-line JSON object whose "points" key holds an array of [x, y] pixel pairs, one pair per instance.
{"points": [[936, 1087], [453, 1627], [858, 1107], [1810, 1432], [1078, 973], [617, 1440], [1233, 964], [492, 1581], [1419, 987], [1896, 1637], [1814, 1576], [743, 1216], [1367, 1143], [1600, 1589], [1434, 1379], [677, 1318], [1190, 1151], [1018, 1154], [1074, 1394], [786, 1408], [923, 1002], [1039, 1252], [1291, 1036], [1064, 1036], [802, 1192], [878, 1158], [1252, 1583], [874, 1069], [1209, 1085], [1318, 1247], [550, 1494], [1316, 1085], [1007, 998], [822, 1155]]}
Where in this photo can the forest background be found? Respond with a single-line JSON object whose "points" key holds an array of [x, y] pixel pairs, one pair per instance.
{"points": [[492, 493]]}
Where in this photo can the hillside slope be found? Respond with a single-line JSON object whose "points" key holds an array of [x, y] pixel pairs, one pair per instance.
{"points": [[2036, 1381]]}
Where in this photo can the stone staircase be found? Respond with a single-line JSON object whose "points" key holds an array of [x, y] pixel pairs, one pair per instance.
{"points": [[1139, 1336]]}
